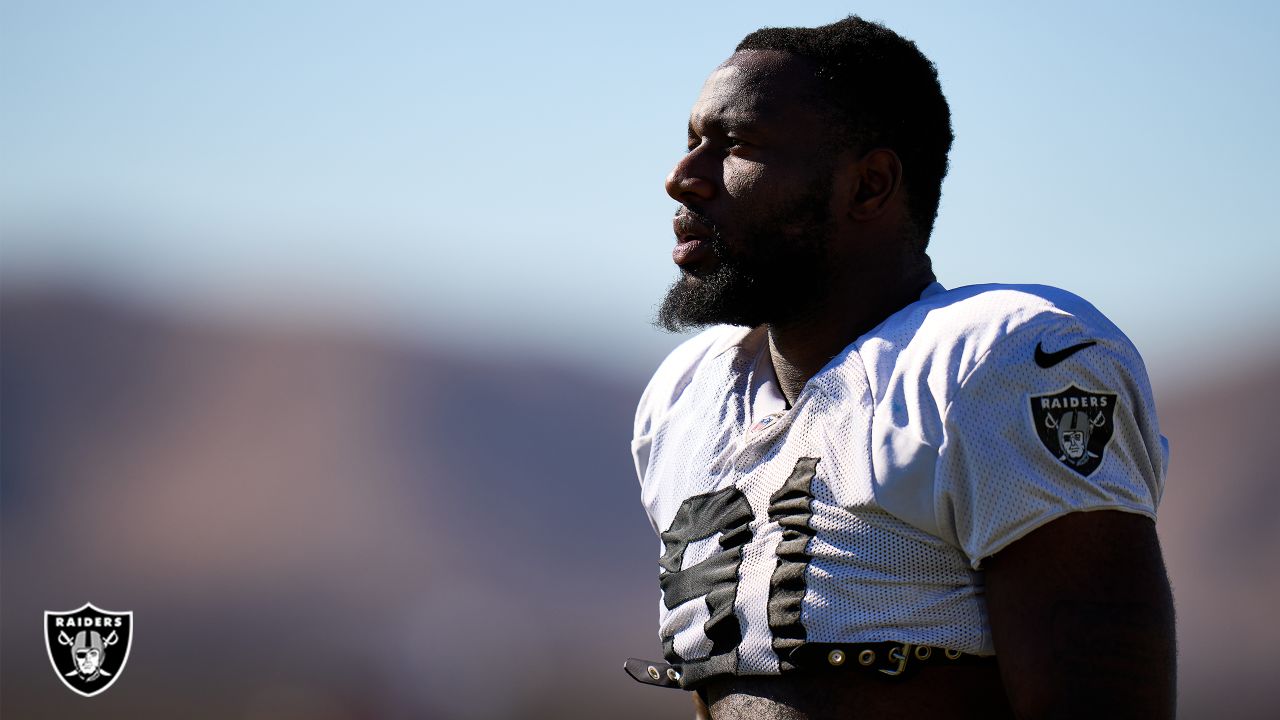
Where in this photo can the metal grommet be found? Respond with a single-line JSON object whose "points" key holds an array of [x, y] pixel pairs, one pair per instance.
{"points": [[923, 652], [653, 673], [866, 657], [952, 654], [673, 675], [836, 657]]}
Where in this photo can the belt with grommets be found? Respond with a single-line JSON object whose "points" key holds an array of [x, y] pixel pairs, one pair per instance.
{"points": [[889, 659]]}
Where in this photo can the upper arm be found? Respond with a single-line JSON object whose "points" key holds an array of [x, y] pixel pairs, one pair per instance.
{"points": [[1082, 619]]}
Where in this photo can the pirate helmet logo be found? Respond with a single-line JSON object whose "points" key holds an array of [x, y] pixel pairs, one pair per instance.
{"points": [[88, 647], [1075, 425]]}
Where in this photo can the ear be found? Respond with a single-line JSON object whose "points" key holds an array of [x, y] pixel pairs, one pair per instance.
{"points": [[877, 183]]}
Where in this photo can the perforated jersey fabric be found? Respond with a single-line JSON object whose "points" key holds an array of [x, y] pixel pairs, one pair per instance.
{"points": [[863, 512]]}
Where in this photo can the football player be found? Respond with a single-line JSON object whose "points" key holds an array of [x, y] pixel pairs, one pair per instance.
{"points": [[878, 497]]}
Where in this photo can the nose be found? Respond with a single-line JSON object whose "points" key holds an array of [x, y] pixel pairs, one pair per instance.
{"points": [[689, 180]]}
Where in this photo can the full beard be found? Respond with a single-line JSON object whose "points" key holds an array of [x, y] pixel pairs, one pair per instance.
{"points": [[780, 271]]}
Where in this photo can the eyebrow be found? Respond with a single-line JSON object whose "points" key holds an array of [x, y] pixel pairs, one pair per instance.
{"points": [[733, 122]]}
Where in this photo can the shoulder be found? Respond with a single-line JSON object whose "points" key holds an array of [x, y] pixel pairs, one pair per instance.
{"points": [[965, 324], [678, 370], [1047, 410], [967, 385], [944, 338]]}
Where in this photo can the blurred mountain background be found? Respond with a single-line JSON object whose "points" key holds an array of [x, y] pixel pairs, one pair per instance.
{"points": [[318, 524], [332, 524]]}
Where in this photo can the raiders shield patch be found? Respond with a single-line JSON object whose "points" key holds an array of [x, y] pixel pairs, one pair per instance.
{"points": [[88, 647], [1075, 425]]}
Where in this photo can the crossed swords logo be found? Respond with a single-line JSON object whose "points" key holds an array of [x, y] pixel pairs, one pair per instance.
{"points": [[1075, 425], [89, 653], [1073, 434], [88, 647]]}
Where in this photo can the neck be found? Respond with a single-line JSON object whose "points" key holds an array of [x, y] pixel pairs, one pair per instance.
{"points": [[802, 345]]}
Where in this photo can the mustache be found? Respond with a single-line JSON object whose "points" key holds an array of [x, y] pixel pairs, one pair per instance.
{"points": [[703, 219], [686, 211]]}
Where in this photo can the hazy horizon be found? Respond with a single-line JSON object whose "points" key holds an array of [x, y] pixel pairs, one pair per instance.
{"points": [[492, 174]]}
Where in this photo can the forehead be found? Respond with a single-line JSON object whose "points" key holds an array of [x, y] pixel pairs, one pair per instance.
{"points": [[758, 86]]}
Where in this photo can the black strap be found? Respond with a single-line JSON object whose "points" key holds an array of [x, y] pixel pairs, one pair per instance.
{"points": [[653, 672], [890, 660]]}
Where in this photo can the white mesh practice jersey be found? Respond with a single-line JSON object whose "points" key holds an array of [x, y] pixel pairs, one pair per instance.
{"points": [[863, 512]]}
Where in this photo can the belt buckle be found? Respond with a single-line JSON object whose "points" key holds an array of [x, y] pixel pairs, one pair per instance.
{"points": [[900, 655]]}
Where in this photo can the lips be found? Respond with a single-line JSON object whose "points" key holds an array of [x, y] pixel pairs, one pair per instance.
{"points": [[693, 240]]}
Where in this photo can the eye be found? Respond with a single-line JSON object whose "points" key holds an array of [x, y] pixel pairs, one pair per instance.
{"points": [[736, 144]]}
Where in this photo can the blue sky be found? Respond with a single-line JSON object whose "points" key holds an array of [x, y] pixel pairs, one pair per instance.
{"points": [[491, 175]]}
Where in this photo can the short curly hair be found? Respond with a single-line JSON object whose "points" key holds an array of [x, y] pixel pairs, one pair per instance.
{"points": [[884, 93]]}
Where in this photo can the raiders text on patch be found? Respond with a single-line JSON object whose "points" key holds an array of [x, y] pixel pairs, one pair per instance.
{"points": [[88, 647], [1075, 425], [1048, 360]]}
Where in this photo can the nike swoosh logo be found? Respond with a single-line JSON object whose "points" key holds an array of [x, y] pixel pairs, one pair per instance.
{"points": [[1048, 360]]}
